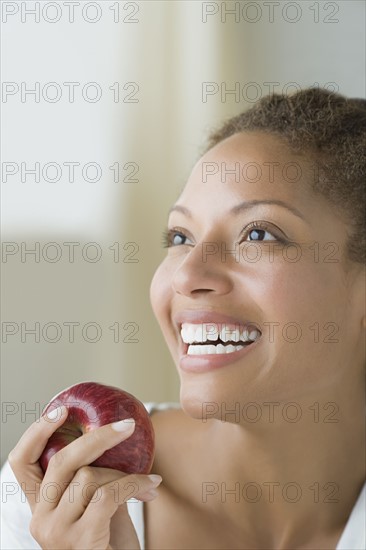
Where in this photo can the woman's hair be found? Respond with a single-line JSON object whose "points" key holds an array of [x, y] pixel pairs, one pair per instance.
{"points": [[330, 129]]}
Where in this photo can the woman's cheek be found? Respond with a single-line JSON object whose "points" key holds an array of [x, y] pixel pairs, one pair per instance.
{"points": [[156, 290], [161, 292], [285, 292], [303, 302]]}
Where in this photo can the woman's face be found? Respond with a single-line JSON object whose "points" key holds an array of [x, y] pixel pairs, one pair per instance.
{"points": [[301, 296]]}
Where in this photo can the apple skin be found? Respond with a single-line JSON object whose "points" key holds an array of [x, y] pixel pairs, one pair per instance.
{"points": [[91, 405]]}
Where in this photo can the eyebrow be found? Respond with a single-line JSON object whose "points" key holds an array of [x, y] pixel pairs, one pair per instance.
{"points": [[243, 206]]}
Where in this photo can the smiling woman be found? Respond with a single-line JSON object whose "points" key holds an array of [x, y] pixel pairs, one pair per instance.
{"points": [[278, 257], [261, 301]]}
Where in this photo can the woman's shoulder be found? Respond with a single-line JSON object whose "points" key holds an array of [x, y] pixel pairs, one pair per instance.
{"points": [[169, 419], [171, 424], [179, 440]]}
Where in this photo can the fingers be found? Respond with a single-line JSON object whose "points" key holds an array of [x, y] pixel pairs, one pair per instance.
{"points": [[93, 506], [73, 496], [30, 446], [116, 493], [64, 464], [23, 458], [83, 488], [105, 519], [86, 487]]}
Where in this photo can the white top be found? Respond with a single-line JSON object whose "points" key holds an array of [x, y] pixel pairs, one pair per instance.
{"points": [[16, 513]]}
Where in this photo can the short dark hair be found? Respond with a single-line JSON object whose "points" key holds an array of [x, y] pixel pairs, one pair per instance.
{"points": [[330, 129]]}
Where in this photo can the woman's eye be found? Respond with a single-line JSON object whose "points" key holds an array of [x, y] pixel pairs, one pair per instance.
{"points": [[177, 238], [259, 231], [172, 237], [261, 235], [255, 232]]}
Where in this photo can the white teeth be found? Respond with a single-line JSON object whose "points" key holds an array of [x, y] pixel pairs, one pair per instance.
{"points": [[200, 350], [221, 349], [254, 335], [209, 332], [188, 333], [197, 335], [227, 334], [215, 350]]}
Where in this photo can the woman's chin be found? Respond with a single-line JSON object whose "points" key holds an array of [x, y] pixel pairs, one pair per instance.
{"points": [[193, 402], [204, 403]]}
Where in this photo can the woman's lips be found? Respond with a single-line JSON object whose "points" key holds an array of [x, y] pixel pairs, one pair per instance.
{"points": [[207, 316], [206, 362], [209, 362]]}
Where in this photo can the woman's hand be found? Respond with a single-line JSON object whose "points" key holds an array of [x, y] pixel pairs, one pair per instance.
{"points": [[76, 506]]}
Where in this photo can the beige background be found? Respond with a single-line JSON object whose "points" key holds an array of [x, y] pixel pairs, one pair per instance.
{"points": [[170, 52]]}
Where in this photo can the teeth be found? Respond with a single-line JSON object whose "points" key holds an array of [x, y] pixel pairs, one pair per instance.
{"points": [[209, 332], [215, 350], [230, 334], [202, 333], [254, 334], [191, 333]]}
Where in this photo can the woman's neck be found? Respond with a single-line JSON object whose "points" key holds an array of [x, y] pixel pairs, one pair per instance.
{"points": [[283, 481]]}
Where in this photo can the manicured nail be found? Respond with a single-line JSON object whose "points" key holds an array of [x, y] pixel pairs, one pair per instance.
{"points": [[155, 479], [56, 414], [123, 425]]}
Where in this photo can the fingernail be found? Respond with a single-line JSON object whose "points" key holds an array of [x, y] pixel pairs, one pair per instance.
{"points": [[56, 414], [123, 425], [150, 494], [155, 479]]}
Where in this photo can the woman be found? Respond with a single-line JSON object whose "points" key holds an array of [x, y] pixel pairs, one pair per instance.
{"points": [[261, 301]]}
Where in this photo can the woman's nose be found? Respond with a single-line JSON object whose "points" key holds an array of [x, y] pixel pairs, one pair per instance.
{"points": [[203, 269]]}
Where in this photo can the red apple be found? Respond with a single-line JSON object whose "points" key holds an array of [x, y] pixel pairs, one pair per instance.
{"points": [[91, 405]]}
